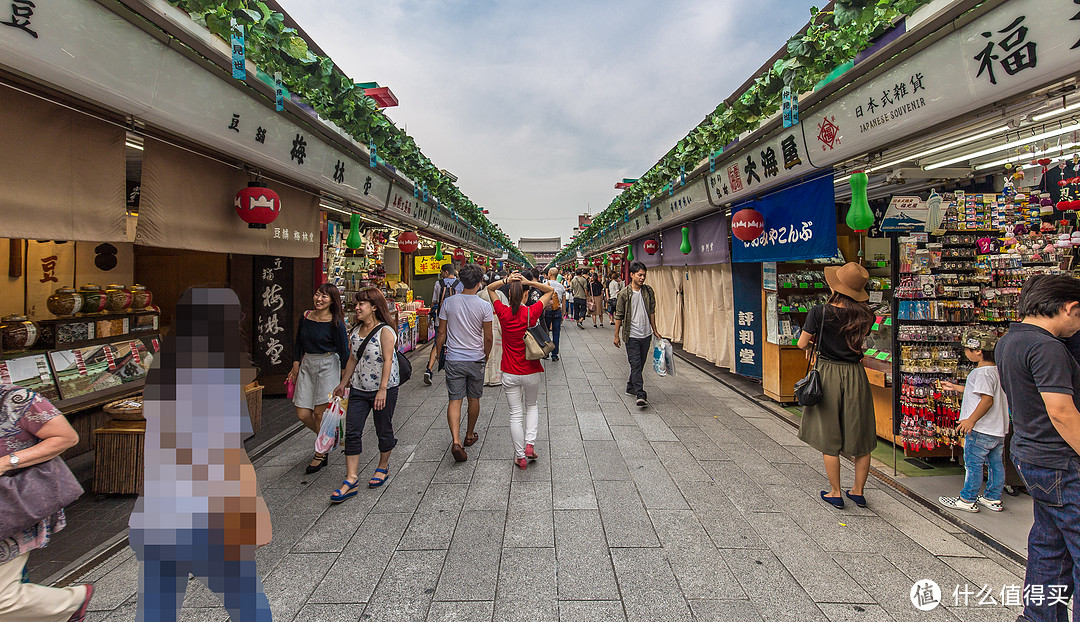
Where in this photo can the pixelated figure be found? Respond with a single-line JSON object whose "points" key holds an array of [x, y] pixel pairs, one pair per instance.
{"points": [[200, 512]]}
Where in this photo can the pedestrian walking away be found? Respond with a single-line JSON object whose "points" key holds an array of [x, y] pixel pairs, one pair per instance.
{"points": [[447, 285], [320, 353], [466, 332], [984, 421], [492, 372], [596, 300], [579, 287], [1042, 383], [553, 314], [635, 325], [521, 377], [614, 286], [371, 383], [843, 421], [34, 432]]}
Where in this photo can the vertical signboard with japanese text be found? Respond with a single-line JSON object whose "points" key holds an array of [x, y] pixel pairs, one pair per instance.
{"points": [[272, 301], [746, 295]]}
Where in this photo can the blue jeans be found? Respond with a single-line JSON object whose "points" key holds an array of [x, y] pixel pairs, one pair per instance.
{"points": [[554, 320], [1054, 540], [980, 449]]}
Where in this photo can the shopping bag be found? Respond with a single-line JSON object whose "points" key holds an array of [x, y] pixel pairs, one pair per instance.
{"points": [[669, 357], [328, 431], [659, 359]]}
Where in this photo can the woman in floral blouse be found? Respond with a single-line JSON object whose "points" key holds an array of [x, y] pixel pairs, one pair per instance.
{"points": [[372, 372], [33, 431]]}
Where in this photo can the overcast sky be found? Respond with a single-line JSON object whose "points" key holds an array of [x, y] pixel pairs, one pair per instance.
{"points": [[540, 107]]}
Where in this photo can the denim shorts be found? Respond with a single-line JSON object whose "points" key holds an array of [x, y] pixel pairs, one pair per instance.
{"points": [[465, 379]]}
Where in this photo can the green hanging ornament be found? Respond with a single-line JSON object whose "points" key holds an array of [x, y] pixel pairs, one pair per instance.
{"points": [[859, 217], [607, 260], [438, 251], [685, 246], [629, 252], [354, 241]]}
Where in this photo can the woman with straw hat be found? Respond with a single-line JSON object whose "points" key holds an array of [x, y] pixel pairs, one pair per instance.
{"points": [[843, 421]]}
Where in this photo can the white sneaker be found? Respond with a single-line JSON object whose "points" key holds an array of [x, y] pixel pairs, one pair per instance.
{"points": [[956, 503], [988, 504]]}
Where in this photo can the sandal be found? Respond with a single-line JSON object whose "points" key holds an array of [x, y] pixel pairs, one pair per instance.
{"points": [[375, 482], [319, 461], [471, 438], [350, 491], [80, 615]]}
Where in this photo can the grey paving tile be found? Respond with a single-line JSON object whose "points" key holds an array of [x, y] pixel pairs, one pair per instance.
{"points": [[202, 615], [605, 461], [330, 613], [626, 523], [657, 489], [404, 488], [843, 612], [591, 611], [679, 463], [565, 442], [727, 527], [771, 588], [474, 553], [653, 426], [648, 586], [527, 585], [700, 446], [115, 586], [355, 573], [571, 484], [455, 611], [580, 544], [405, 589], [490, 486], [887, 586], [286, 593], [724, 610], [529, 517], [432, 525], [700, 569]]}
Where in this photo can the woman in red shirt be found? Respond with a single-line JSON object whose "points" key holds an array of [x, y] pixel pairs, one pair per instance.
{"points": [[520, 376]]}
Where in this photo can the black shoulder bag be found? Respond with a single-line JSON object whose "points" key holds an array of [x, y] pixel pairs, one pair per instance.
{"points": [[808, 390]]}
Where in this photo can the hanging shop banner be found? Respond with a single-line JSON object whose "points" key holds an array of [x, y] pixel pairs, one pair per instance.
{"points": [[775, 161], [188, 202], [49, 265], [427, 264], [905, 214], [272, 303], [640, 254], [708, 243], [800, 223], [63, 171], [746, 297], [1016, 47]]}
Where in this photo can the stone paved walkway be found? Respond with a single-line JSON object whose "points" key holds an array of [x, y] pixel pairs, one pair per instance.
{"points": [[702, 506]]}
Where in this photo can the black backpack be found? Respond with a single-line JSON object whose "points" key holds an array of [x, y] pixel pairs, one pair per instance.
{"points": [[444, 291]]}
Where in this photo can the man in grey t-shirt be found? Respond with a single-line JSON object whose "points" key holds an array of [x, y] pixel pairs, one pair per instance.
{"points": [[465, 328]]}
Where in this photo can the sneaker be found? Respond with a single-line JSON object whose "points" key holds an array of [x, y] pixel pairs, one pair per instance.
{"points": [[427, 377], [989, 504], [554, 357], [642, 401], [956, 503], [80, 615]]}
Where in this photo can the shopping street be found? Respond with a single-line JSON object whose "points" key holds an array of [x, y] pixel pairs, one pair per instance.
{"points": [[703, 505]]}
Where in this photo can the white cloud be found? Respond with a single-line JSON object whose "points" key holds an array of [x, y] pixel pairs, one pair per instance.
{"points": [[539, 108]]}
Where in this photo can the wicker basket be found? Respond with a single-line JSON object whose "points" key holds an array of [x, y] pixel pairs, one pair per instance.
{"points": [[127, 409], [254, 393]]}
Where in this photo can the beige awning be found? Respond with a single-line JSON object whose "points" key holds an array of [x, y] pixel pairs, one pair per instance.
{"points": [[63, 172], [187, 202]]}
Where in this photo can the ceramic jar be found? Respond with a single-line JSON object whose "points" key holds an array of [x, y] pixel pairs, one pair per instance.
{"points": [[17, 332], [65, 302], [140, 297], [93, 299], [117, 299]]}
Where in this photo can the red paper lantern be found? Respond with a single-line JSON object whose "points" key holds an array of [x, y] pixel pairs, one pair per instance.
{"points": [[651, 246], [408, 242], [257, 205], [747, 224], [459, 254]]}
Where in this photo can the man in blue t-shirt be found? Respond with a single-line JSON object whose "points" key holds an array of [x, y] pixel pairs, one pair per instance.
{"points": [[1042, 382]]}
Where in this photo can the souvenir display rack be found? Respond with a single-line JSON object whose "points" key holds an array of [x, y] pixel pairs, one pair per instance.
{"points": [[966, 275]]}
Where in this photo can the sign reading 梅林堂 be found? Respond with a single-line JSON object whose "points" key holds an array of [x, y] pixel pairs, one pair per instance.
{"points": [[271, 349]]}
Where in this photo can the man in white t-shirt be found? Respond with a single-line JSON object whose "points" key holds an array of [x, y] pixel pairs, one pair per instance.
{"points": [[554, 315], [635, 309], [614, 286], [465, 328]]}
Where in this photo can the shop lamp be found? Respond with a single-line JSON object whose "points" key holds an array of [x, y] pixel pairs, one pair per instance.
{"points": [[459, 254], [859, 216], [1009, 145], [629, 252], [685, 246], [408, 242], [747, 224], [651, 246], [353, 241], [257, 205]]}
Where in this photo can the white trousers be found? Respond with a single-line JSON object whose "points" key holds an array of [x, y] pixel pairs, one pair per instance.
{"points": [[29, 602], [521, 393]]}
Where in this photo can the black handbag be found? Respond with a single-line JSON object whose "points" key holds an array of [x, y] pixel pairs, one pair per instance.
{"points": [[808, 389]]}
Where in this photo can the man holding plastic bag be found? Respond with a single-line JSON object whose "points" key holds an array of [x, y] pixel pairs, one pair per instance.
{"points": [[635, 323]]}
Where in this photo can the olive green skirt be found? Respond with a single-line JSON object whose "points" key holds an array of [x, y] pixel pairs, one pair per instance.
{"points": [[843, 421]]}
